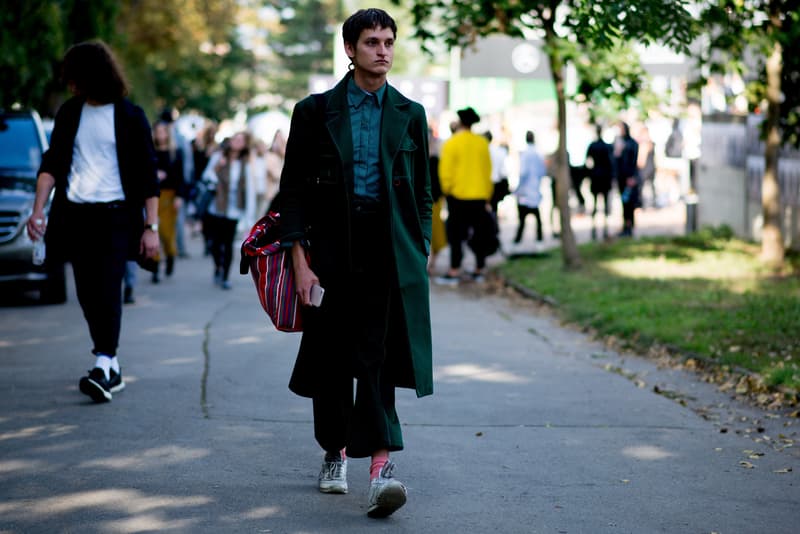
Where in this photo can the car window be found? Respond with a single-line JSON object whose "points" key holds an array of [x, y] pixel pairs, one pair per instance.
{"points": [[19, 143]]}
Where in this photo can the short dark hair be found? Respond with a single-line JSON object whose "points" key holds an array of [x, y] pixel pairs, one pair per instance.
{"points": [[366, 19], [94, 71], [529, 137]]}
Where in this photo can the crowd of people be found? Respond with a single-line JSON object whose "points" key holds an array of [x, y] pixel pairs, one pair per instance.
{"points": [[473, 172], [209, 186]]}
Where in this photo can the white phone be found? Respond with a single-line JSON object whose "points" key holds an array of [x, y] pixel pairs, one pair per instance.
{"points": [[317, 292]]}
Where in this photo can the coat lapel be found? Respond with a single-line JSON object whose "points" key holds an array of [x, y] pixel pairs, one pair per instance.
{"points": [[337, 120], [394, 125]]}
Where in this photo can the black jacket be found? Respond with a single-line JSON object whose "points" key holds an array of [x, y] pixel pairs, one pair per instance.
{"points": [[135, 156]]}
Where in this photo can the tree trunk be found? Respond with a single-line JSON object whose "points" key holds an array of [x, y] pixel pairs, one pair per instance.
{"points": [[772, 249], [569, 248]]}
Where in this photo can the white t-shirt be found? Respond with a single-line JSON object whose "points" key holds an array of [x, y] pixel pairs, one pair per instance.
{"points": [[94, 174], [499, 157]]}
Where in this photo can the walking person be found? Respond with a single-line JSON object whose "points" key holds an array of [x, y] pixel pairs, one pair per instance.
{"points": [[532, 169], [465, 175], [230, 173], [600, 162], [203, 147], [499, 156], [169, 167], [438, 232], [101, 163], [626, 154], [356, 186], [646, 163]]}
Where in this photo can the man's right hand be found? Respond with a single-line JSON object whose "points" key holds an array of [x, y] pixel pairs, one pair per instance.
{"points": [[304, 277], [37, 224]]}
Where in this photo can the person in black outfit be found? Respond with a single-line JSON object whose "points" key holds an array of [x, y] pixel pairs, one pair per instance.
{"points": [[601, 172], [102, 165], [169, 168], [626, 155], [203, 146]]}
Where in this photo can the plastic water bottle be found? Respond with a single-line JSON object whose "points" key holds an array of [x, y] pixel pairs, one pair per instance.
{"points": [[39, 252]]}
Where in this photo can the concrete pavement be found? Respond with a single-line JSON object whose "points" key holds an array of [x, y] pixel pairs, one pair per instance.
{"points": [[533, 428]]}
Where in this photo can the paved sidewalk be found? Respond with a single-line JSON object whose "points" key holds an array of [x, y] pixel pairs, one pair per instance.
{"points": [[532, 429]]}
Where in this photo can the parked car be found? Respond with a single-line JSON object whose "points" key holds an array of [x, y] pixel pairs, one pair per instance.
{"points": [[22, 143]]}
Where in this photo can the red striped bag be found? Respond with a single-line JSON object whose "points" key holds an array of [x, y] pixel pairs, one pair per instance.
{"points": [[271, 267]]}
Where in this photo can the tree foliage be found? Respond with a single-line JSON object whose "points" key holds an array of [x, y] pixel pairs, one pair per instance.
{"points": [[184, 55], [760, 39], [741, 36], [304, 44], [34, 36]]}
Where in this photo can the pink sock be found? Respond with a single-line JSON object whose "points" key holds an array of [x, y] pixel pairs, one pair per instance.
{"points": [[378, 461]]}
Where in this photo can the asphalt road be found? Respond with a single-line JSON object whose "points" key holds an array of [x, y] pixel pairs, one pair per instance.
{"points": [[533, 428]]}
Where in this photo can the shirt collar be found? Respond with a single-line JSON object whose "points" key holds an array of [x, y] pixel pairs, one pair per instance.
{"points": [[356, 95]]}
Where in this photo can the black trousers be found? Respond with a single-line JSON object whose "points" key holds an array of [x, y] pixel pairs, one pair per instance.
{"points": [[368, 296], [98, 257], [628, 209], [606, 206], [523, 212], [222, 232], [463, 216]]}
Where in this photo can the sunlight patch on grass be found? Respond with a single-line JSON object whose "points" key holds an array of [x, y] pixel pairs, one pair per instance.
{"points": [[722, 267]]}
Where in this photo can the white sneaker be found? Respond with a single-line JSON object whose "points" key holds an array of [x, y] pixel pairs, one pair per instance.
{"points": [[333, 476], [447, 280], [386, 494]]}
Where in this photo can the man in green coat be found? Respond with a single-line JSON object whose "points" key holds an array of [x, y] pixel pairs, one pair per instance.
{"points": [[355, 205]]}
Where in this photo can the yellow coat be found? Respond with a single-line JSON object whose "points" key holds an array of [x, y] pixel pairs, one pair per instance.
{"points": [[465, 167]]}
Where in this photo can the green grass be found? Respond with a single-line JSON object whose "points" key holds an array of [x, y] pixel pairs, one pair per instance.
{"points": [[705, 295]]}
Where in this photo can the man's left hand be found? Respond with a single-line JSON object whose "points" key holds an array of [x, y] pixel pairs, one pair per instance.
{"points": [[149, 244]]}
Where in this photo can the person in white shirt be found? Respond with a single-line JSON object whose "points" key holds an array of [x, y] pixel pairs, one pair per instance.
{"points": [[230, 173], [528, 193], [499, 156], [102, 165]]}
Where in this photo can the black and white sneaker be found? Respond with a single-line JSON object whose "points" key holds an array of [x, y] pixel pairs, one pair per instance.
{"points": [[96, 385], [115, 382]]}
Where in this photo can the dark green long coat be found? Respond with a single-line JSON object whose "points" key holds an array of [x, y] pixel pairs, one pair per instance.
{"points": [[315, 203]]}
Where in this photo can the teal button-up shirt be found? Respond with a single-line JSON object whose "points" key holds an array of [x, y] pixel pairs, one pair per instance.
{"points": [[365, 122]]}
